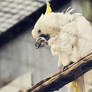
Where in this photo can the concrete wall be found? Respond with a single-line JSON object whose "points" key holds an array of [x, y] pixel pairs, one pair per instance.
{"points": [[75, 4], [20, 56]]}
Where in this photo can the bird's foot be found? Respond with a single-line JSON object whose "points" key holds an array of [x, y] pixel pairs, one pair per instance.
{"points": [[66, 67]]}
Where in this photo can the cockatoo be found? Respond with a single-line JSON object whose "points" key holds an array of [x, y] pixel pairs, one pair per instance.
{"points": [[68, 35]]}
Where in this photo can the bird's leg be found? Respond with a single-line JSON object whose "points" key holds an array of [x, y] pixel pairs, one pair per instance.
{"points": [[60, 66], [66, 67], [63, 62]]}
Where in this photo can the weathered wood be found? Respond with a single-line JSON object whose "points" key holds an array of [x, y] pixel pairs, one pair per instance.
{"points": [[60, 79]]}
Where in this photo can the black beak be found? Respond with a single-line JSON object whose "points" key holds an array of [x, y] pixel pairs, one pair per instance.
{"points": [[45, 36]]}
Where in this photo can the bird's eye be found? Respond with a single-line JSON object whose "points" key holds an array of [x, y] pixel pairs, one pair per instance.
{"points": [[39, 31]]}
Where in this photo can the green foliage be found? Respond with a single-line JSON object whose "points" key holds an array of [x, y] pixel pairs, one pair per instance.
{"points": [[86, 9], [90, 90]]}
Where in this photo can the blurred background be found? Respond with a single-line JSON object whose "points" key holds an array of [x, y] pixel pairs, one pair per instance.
{"points": [[18, 55]]}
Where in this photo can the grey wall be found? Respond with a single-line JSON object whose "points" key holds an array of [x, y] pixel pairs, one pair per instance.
{"points": [[75, 4], [20, 56]]}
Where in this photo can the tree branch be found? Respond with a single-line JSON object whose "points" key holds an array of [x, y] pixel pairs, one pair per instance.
{"points": [[58, 80]]}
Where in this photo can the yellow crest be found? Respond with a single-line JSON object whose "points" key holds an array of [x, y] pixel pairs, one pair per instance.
{"points": [[48, 10]]}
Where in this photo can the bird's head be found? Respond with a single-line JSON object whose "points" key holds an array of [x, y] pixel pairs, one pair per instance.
{"points": [[45, 28]]}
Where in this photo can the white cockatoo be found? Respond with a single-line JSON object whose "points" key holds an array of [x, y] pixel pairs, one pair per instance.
{"points": [[68, 35]]}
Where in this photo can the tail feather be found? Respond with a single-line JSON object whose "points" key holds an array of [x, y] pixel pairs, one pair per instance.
{"points": [[76, 87]]}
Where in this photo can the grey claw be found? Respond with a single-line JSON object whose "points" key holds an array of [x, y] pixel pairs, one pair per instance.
{"points": [[66, 67]]}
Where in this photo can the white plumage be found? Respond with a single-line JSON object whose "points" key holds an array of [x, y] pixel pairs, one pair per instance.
{"points": [[70, 38]]}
